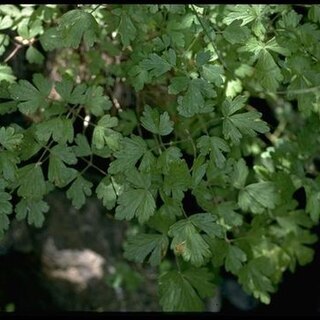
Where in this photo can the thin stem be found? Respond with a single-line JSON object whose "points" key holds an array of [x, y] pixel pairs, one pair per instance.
{"points": [[210, 38], [298, 91], [93, 166], [93, 10], [184, 213], [192, 143], [177, 263], [12, 54]]}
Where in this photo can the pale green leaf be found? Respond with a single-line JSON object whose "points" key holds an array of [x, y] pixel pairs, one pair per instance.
{"points": [[259, 196]]}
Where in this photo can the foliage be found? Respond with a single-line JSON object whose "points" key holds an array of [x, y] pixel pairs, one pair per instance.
{"points": [[199, 168]]}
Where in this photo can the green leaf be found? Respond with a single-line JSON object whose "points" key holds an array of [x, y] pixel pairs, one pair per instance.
{"points": [[51, 39], [139, 246], [219, 249], [127, 29], [244, 12], [82, 149], [234, 259], [296, 246], [188, 243], [255, 278], [132, 149], [156, 123], [226, 210], [96, 102], [168, 156], [6, 74], [108, 190], [80, 188], [162, 220], [199, 169], [76, 25], [240, 174], [268, 73], [203, 57], [178, 84], [207, 223], [34, 209], [177, 179], [69, 92], [140, 76], [64, 153], [215, 146], [58, 172], [156, 65], [5, 209], [313, 203], [182, 291], [237, 125], [256, 197], [9, 139], [135, 203], [33, 55], [30, 97], [31, 182], [103, 135], [213, 74], [61, 130], [8, 165], [235, 33], [193, 101], [229, 106], [5, 22], [275, 47]]}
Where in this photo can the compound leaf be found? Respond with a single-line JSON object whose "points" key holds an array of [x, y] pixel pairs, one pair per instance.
{"points": [[156, 65], [135, 203], [182, 291], [234, 259], [79, 189], [156, 123], [9, 139], [31, 182], [131, 151], [188, 243], [255, 278], [30, 98], [215, 146], [256, 197], [108, 190], [139, 246], [33, 209]]}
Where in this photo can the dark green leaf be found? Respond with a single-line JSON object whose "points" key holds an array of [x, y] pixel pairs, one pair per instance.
{"points": [[30, 97], [138, 247], [9, 139], [131, 151], [135, 203], [31, 182], [182, 291], [34, 209], [79, 189], [188, 243], [155, 122]]}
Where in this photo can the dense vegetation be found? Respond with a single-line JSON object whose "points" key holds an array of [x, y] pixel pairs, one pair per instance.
{"points": [[199, 124]]}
